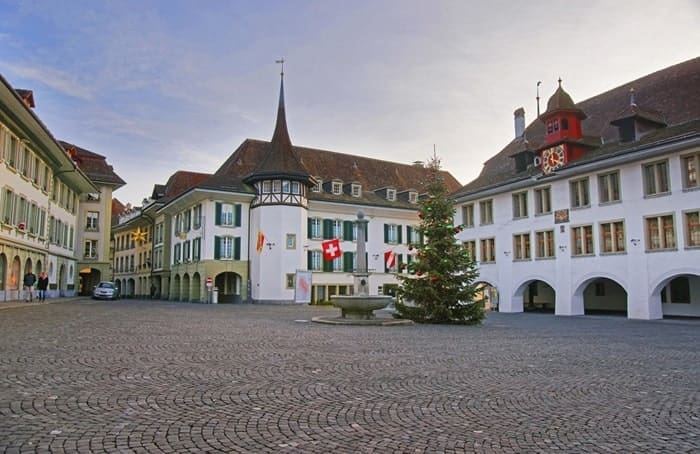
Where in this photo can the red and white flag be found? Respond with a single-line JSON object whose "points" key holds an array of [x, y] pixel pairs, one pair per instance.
{"points": [[390, 259], [331, 249]]}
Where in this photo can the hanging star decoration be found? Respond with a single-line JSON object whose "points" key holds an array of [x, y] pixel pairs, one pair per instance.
{"points": [[138, 235]]}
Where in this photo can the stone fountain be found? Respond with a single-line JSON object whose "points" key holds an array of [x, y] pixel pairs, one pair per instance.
{"points": [[358, 309]]}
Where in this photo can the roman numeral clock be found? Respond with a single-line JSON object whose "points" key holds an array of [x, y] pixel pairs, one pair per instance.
{"points": [[553, 158]]}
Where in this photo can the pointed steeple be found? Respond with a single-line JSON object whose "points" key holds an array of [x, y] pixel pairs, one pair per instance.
{"points": [[280, 161]]}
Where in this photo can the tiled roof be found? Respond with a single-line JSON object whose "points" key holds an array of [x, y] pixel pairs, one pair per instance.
{"points": [[180, 182], [93, 165], [372, 174], [671, 96]]}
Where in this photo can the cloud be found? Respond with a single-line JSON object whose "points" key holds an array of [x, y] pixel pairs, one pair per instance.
{"points": [[58, 80]]}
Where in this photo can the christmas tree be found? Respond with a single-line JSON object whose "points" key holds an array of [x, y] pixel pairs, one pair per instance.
{"points": [[439, 287]]}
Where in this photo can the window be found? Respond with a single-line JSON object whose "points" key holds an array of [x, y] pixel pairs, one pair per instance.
{"points": [[318, 187], [315, 229], [356, 190], [520, 205], [582, 240], [187, 221], [609, 187], [289, 280], [545, 244], [92, 221], [412, 197], [692, 228], [337, 228], [296, 187], [35, 170], [291, 241], [26, 161], [90, 249], [661, 233], [392, 233], [197, 216], [338, 264], [186, 251], [470, 246], [413, 235], [468, 215], [488, 250], [227, 248], [690, 165], [579, 193], [486, 211], [315, 260], [612, 237], [177, 253], [656, 179], [337, 187], [286, 186], [543, 200], [228, 214], [12, 157], [8, 208], [391, 194], [196, 249], [521, 246], [266, 186]]}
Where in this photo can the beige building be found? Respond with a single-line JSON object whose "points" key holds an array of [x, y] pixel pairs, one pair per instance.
{"points": [[40, 189]]}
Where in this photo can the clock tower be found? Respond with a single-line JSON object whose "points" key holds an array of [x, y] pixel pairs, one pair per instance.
{"points": [[563, 140]]}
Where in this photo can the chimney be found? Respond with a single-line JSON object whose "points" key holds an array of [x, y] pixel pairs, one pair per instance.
{"points": [[519, 122]]}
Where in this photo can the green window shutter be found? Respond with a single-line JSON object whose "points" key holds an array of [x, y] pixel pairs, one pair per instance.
{"points": [[386, 233], [399, 229], [386, 268], [366, 232], [347, 230], [399, 262], [409, 234], [347, 261], [327, 229], [309, 264], [237, 248], [217, 216], [328, 265], [309, 221], [237, 214], [217, 247]]}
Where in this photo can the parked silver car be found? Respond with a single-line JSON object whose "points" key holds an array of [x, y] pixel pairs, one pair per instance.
{"points": [[105, 290]]}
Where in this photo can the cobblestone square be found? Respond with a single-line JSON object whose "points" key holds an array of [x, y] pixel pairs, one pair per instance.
{"points": [[135, 376]]}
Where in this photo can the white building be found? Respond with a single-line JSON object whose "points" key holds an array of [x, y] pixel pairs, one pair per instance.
{"points": [[40, 187], [595, 206], [263, 215]]}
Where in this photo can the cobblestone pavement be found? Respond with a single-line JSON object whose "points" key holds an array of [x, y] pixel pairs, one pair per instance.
{"points": [[163, 377]]}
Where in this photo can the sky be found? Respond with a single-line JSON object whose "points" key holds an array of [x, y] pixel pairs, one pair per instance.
{"points": [[162, 86]]}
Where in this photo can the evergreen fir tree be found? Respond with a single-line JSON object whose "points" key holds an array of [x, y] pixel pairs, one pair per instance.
{"points": [[439, 287]]}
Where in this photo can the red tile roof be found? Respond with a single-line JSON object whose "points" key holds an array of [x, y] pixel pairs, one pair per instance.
{"points": [[94, 165]]}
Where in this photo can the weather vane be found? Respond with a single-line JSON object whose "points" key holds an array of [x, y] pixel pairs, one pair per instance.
{"points": [[281, 62]]}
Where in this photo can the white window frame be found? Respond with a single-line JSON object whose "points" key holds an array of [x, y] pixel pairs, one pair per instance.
{"points": [[690, 166], [580, 192], [522, 247], [545, 238], [486, 212], [609, 190], [656, 178], [692, 228], [612, 237], [662, 223], [582, 240], [487, 249], [520, 205], [543, 200], [468, 215]]}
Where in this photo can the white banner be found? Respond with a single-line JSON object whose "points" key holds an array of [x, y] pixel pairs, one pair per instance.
{"points": [[302, 287]]}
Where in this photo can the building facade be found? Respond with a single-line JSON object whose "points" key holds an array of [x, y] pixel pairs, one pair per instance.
{"points": [[264, 214], [595, 206], [41, 187]]}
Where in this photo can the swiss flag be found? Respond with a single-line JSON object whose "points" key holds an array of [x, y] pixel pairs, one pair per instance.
{"points": [[331, 249], [390, 259]]}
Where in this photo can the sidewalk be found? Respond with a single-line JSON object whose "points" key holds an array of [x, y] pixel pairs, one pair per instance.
{"points": [[21, 303]]}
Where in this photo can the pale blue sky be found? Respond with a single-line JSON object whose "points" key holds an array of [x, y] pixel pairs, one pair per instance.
{"points": [[160, 86]]}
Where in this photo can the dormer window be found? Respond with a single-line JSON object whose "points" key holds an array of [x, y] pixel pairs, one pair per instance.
{"points": [[318, 187], [391, 195], [337, 187], [266, 186], [412, 196], [356, 190]]}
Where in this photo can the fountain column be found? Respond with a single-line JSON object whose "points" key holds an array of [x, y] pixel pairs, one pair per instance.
{"points": [[361, 274]]}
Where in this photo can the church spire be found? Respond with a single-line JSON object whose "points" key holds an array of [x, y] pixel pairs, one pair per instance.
{"points": [[280, 161]]}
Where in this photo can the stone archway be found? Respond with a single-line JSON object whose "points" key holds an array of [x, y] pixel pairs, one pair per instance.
{"points": [[488, 294], [534, 295], [678, 295], [130, 287], [185, 292], [89, 278], [196, 292], [175, 295], [601, 295], [228, 285]]}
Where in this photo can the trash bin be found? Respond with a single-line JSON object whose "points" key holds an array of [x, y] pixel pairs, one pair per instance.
{"points": [[215, 295]]}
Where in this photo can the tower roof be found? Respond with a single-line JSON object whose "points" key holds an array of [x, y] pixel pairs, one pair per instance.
{"points": [[280, 161], [561, 101]]}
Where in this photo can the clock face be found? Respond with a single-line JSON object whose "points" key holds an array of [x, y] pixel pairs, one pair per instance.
{"points": [[553, 158]]}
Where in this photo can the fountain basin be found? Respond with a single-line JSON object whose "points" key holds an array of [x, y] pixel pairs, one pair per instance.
{"points": [[360, 307]]}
